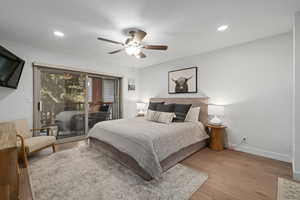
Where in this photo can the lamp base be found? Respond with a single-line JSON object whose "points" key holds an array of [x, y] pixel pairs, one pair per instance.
{"points": [[140, 115], [216, 121]]}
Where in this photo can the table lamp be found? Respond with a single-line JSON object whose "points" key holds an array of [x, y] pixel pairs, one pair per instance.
{"points": [[217, 111], [141, 108]]}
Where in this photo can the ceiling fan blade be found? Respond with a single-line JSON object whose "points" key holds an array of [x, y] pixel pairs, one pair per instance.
{"points": [[140, 55], [138, 35], [155, 47], [111, 41], [116, 51], [128, 40]]}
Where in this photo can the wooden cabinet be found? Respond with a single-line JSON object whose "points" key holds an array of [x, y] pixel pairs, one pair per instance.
{"points": [[9, 171], [216, 141]]}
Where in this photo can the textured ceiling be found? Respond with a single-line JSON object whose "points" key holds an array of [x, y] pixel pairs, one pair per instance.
{"points": [[187, 27]]}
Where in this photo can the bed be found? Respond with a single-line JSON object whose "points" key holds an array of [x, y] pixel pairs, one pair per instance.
{"points": [[150, 148]]}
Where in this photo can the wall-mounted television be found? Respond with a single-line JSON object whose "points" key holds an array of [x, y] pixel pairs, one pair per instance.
{"points": [[11, 68]]}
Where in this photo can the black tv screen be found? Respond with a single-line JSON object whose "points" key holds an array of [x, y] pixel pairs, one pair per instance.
{"points": [[11, 68]]}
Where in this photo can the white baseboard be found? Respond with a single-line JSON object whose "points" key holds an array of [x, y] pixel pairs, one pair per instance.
{"points": [[261, 152], [296, 175]]}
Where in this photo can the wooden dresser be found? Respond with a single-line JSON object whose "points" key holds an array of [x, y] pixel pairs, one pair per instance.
{"points": [[9, 170]]}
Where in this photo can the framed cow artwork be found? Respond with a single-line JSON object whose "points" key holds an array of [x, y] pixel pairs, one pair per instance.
{"points": [[183, 81]]}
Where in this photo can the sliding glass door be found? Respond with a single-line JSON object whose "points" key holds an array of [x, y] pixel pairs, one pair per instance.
{"points": [[73, 102], [61, 102], [103, 99]]}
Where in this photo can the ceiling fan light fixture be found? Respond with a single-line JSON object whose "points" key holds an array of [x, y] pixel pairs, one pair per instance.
{"points": [[133, 50], [134, 44]]}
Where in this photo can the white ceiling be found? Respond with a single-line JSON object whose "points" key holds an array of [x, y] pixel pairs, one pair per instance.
{"points": [[187, 27]]}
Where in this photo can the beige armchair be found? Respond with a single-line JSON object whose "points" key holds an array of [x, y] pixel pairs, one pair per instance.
{"points": [[28, 144]]}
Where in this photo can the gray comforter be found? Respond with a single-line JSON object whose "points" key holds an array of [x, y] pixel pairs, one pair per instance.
{"points": [[146, 141]]}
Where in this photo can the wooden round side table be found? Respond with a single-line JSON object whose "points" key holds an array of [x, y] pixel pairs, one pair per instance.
{"points": [[216, 140]]}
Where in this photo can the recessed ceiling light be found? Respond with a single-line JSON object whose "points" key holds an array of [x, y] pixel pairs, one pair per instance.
{"points": [[59, 34], [222, 28]]}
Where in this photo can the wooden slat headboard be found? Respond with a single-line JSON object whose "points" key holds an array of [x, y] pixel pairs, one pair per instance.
{"points": [[196, 102]]}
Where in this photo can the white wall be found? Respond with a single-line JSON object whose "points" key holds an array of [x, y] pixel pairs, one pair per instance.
{"points": [[296, 103], [15, 104], [253, 80]]}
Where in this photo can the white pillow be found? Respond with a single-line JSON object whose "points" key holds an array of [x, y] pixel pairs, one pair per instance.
{"points": [[164, 117], [150, 115], [193, 114]]}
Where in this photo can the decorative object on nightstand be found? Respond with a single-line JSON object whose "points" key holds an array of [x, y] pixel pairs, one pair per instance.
{"points": [[216, 140], [141, 109], [217, 111]]}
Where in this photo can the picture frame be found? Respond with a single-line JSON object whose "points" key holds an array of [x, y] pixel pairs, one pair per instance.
{"points": [[183, 81], [131, 84]]}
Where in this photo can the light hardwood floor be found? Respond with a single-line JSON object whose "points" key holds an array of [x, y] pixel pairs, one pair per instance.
{"points": [[232, 175]]}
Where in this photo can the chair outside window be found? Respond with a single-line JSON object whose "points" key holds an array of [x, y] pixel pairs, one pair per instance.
{"points": [[104, 113]]}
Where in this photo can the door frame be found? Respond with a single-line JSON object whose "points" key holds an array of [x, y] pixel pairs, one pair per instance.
{"points": [[37, 97]]}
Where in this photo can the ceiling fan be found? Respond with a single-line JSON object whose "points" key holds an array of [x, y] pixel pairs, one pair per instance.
{"points": [[133, 45]]}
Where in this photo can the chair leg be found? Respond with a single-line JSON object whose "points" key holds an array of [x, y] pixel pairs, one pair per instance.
{"points": [[25, 160], [53, 148]]}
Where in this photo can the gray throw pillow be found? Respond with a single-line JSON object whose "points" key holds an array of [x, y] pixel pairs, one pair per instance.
{"points": [[165, 107], [153, 105], [181, 111]]}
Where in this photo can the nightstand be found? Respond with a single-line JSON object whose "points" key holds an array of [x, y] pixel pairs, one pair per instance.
{"points": [[216, 140]]}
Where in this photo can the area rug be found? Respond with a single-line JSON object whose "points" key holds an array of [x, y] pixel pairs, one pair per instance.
{"points": [[288, 190], [85, 173]]}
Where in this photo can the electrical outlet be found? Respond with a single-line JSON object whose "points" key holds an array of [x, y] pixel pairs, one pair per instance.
{"points": [[244, 140]]}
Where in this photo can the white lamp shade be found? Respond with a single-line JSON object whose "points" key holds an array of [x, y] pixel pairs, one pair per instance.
{"points": [[217, 110], [141, 107]]}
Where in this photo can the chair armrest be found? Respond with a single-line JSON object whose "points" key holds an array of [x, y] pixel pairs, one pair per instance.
{"points": [[47, 129], [39, 129], [22, 143], [22, 153]]}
